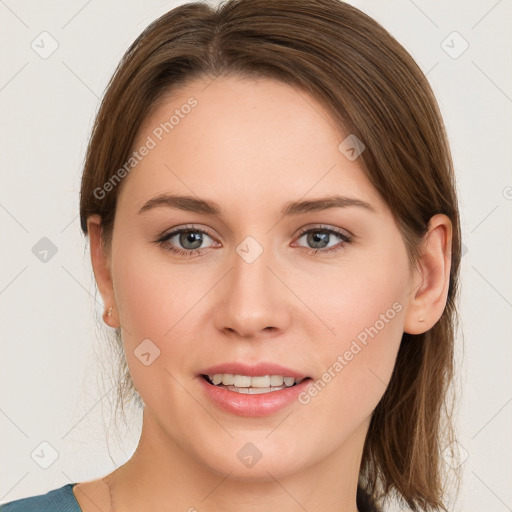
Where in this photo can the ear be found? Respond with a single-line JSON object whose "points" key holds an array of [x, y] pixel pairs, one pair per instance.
{"points": [[430, 284], [101, 267]]}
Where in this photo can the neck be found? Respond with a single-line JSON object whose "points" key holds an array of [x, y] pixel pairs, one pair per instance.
{"points": [[161, 475]]}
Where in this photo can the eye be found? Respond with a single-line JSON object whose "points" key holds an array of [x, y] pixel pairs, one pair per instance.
{"points": [[319, 238], [189, 238]]}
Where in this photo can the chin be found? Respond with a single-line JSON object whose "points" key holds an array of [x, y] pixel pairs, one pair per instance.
{"points": [[260, 472], [254, 461]]}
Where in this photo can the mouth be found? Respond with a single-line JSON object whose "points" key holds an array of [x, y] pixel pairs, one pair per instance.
{"points": [[252, 385]]}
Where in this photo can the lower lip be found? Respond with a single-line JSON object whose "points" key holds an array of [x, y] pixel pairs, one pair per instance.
{"points": [[243, 404]]}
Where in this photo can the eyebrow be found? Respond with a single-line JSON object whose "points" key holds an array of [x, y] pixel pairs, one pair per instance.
{"points": [[291, 208]]}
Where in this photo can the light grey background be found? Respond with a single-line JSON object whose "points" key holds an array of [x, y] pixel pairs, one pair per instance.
{"points": [[51, 380]]}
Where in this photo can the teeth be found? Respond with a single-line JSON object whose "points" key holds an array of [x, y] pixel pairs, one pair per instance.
{"points": [[242, 381], [245, 381], [228, 379], [289, 381], [276, 380]]}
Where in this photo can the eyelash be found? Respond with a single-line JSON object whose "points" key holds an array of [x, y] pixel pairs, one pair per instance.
{"points": [[323, 229]]}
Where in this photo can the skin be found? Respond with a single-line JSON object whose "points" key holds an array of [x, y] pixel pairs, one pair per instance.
{"points": [[251, 146]]}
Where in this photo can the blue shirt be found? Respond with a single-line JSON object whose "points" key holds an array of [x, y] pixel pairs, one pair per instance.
{"points": [[57, 500]]}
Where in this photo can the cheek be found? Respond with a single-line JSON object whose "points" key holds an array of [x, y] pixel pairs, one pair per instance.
{"points": [[357, 365], [156, 315], [153, 295], [157, 305], [359, 294], [366, 316]]}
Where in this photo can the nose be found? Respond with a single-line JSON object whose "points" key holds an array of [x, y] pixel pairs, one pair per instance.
{"points": [[252, 300]]}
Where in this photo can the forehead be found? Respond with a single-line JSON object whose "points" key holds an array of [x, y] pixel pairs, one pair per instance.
{"points": [[253, 140]]}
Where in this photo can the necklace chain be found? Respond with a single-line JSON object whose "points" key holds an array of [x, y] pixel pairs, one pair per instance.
{"points": [[108, 482]]}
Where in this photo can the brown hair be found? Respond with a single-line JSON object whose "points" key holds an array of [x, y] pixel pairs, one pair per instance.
{"points": [[374, 90]]}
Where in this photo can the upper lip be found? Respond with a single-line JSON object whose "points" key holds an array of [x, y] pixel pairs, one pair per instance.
{"points": [[255, 370]]}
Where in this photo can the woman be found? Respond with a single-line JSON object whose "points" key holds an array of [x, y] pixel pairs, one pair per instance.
{"points": [[272, 214]]}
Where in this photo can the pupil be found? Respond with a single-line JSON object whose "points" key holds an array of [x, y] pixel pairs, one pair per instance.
{"points": [[190, 236], [318, 237]]}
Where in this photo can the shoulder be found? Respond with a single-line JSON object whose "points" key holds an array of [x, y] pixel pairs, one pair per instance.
{"points": [[56, 500]]}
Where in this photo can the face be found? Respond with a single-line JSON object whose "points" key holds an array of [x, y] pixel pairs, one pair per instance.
{"points": [[319, 291]]}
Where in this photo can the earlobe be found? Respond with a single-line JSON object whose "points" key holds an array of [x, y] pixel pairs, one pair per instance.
{"points": [[101, 268], [429, 291]]}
